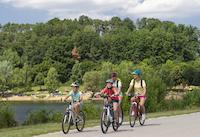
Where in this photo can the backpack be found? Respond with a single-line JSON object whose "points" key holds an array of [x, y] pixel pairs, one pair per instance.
{"points": [[118, 84]]}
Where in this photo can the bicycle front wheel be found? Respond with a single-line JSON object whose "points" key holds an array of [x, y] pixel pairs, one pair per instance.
{"points": [[80, 123], [104, 121], [66, 122], [132, 115]]}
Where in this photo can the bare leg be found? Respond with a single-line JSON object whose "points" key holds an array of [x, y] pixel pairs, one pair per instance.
{"points": [[115, 108]]}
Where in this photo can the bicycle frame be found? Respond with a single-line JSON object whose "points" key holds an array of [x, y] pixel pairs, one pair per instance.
{"points": [[108, 108], [71, 112]]}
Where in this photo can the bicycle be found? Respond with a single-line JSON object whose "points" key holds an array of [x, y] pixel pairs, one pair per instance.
{"points": [[121, 115], [134, 112], [69, 119], [107, 116]]}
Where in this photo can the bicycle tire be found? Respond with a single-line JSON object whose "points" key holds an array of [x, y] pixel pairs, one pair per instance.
{"points": [[104, 124], [82, 115], [132, 117], [66, 122]]}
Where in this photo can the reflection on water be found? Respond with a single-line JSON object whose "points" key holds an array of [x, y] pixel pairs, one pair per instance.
{"points": [[21, 109]]}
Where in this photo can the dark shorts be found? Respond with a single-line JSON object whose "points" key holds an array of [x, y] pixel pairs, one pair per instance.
{"points": [[113, 100]]}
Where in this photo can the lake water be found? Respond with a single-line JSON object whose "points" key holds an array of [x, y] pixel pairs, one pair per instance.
{"points": [[22, 109]]}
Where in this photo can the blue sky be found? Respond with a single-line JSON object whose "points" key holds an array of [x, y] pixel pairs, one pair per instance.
{"points": [[32, 11]]}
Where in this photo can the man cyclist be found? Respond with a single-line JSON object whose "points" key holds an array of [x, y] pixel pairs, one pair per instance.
{"points": [[76, 97], [139, 87]]}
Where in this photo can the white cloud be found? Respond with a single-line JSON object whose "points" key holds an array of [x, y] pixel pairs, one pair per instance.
{"points": [[105, 9]]}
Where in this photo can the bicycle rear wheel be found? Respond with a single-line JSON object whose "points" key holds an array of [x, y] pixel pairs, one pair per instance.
{"points": [[66, 122], [105, 123], [121, 116], [141, 121], [80, 123], [115, 123], [132, 115]]}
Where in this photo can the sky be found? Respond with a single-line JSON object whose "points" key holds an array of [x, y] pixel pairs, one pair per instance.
{"points": [[33, 11]]}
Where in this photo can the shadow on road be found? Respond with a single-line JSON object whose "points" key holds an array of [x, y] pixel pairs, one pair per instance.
{"points": [[84, 131], [148, 125]]}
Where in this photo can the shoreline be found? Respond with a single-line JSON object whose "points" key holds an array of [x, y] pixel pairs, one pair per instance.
{"points": [[50, 99]]}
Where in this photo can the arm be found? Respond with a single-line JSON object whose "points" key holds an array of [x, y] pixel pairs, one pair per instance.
{"points": [[115, 91], [68, 96], [81, 97], [130, 87], [144, 87], [103, 91], [120, 86]]}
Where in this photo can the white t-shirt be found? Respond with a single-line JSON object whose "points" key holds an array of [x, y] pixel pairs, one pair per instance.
{"points": [[119, 85], [138, 89]]}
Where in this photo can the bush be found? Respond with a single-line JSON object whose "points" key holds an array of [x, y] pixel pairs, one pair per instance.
{"points": [[92, 111], [42, 116], [156, 92], [6, 116], [192, 98]]}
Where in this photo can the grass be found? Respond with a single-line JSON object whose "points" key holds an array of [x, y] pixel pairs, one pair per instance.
{"points": [[29, 131]]}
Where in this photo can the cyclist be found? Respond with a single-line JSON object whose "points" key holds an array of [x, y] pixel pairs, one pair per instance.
{"points": [[139, 87], [76, 97], [118, 84], [113, 94]]}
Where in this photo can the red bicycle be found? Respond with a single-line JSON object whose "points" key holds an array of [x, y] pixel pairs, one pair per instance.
{"points": [[135, 111]]}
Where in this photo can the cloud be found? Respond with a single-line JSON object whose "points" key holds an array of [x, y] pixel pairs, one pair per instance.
{"points": [[105, 9]]}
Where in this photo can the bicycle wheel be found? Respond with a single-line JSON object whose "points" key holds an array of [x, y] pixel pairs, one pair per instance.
{"points": [[132, 115], [66, 122], [141, 121], [121, 116], [80, 123], [115, 123], [105, 123]]}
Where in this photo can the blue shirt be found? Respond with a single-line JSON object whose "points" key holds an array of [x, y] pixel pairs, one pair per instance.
{"points": [[75, 95]]}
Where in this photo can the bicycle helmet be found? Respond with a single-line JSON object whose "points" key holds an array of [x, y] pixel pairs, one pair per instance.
{"points": [[137, 72], [75, 84]]}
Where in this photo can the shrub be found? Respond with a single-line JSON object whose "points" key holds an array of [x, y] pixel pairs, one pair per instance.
{"points": [[6, 116], [192, 98], [42, 116], [92, 111]]}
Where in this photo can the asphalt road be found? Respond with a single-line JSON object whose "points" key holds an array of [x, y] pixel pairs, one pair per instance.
{"points": [[174, 126]]}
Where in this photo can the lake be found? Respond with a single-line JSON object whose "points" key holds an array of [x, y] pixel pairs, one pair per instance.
{"points": [[22, 109]]}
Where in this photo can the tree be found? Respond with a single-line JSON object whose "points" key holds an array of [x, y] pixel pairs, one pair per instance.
{"points": [[11, 56], [39, 80], [51, 81], [6, 71]]}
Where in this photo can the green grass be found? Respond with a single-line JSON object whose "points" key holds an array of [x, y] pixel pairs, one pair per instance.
{"points": [[28, 131]]}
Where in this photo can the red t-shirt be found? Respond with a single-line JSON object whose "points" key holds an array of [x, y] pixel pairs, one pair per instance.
{"points": [[110, 92]]}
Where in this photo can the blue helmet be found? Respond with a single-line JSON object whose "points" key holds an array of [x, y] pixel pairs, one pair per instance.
{"points": [[137, 72]]}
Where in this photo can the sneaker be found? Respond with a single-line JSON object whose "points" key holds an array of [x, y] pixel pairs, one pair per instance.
{"points": [[143, 117], [77, 120]]}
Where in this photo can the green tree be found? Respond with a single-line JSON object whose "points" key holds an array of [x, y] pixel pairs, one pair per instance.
{"points": [[6, 72], [39, 80], [51, 81]]}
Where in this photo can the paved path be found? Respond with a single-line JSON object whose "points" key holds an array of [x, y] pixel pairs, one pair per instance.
{"points": [[174, 126]]}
